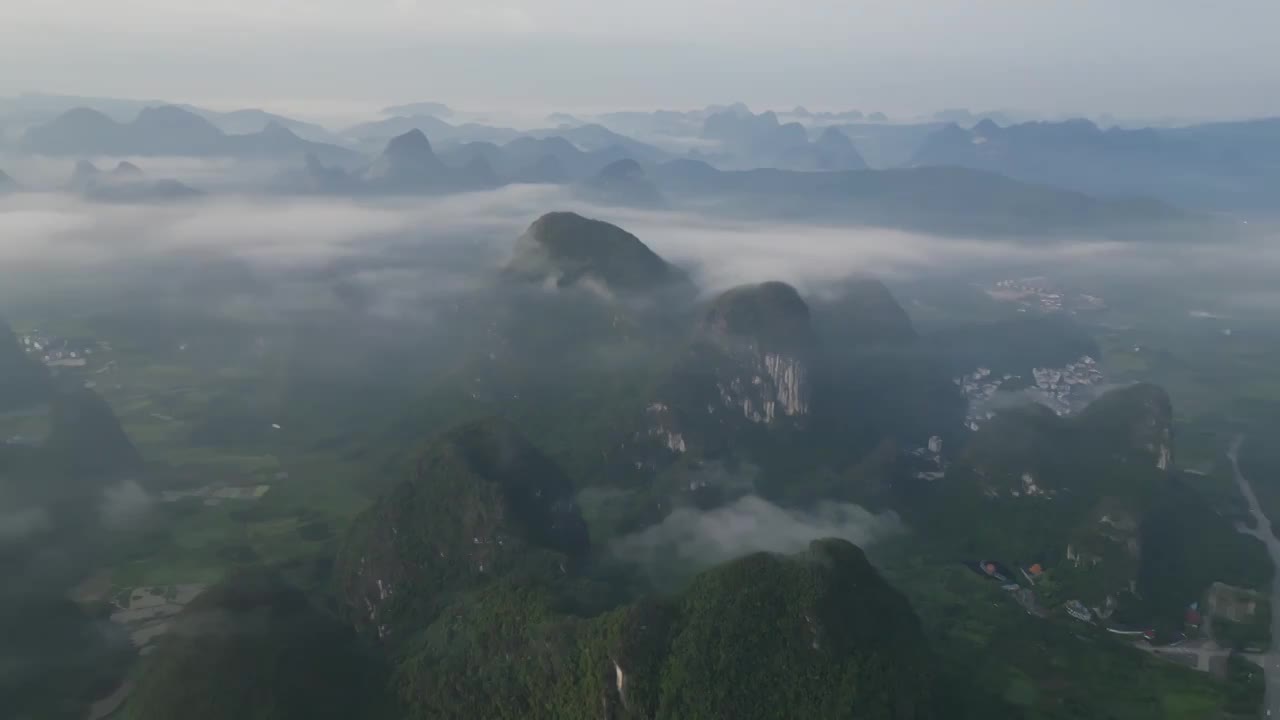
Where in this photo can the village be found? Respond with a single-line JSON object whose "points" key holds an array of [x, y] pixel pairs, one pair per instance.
{"points": [[1038, 294], [1198, 645], [1063, 389], [60, 352]]}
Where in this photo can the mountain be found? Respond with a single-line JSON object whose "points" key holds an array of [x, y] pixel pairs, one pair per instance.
{"points": [[1075, 494], [477, 174], [165, 130], [765, 335], [254, 646], [23, 382], [819, 633], [31, 108], [480, 502], [419, 108], [546, 170], [252, 120], [595, 137], [85, 432], [1255, 141], [749, 130], [125, 183], [58, 657], [748, 368], [8, 184], [537, 160], [945, 200], [1189, 167], [559, 118], [438, 130], [83, 176], [862, 311], [564, 249], [747, 140], [1137, 420], [887, 145], [170, 130], [409, 164], [623, 184], [807, 399], [833, 150]]}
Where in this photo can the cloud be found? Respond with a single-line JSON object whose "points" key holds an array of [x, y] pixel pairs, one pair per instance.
{"points": [[19, 524], [691, 539], [416, 243], [124, 504]]}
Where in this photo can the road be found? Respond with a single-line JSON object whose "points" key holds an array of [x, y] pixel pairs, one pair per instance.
{"points": [[1271, 660]]}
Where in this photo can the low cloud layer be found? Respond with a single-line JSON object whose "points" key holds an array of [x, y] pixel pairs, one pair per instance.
{"points": [[124, 504], [691, 540], [64, 236], [18, 524]]}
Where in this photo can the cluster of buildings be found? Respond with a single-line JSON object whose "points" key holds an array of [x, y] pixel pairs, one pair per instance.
{"points": [[1064, 389], [60, 352], [931, 465], [1038, 294], [1061, 388], [978, 388], [146, 612]]}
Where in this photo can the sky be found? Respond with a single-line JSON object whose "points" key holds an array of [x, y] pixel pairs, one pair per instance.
{"points": [[1129, 58]]}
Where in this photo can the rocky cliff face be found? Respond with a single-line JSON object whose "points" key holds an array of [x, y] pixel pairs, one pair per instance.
{"points": [[749, 366], [765, 345]]}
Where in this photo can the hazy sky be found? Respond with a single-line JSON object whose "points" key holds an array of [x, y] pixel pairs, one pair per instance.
{"points": [[1128, 57]]}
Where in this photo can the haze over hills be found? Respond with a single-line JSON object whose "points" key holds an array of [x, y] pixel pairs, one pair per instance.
{"points": [[1196, 166], [646, 416], [22, 380], [253, 120], [625, 184], [254, 641], [482, 502], [8, 184], [169, 130], [749, 141], [946, 200], [566, 249], [125, 182]]}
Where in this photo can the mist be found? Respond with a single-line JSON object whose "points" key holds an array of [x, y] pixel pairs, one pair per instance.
{"points": [[48, 232], [689, 540]]}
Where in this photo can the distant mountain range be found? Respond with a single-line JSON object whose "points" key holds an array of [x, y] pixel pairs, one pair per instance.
{"points": [[410, 164], [744, 162], [1222, 165], [946, 200], [588, 137], [747, 140], [430, 125], [419, 108], [253, 120], [125, 183], [171, 130], [8, 184]]}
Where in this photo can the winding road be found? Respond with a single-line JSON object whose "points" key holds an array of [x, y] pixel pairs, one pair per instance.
{"points": [[1271, 660]]}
